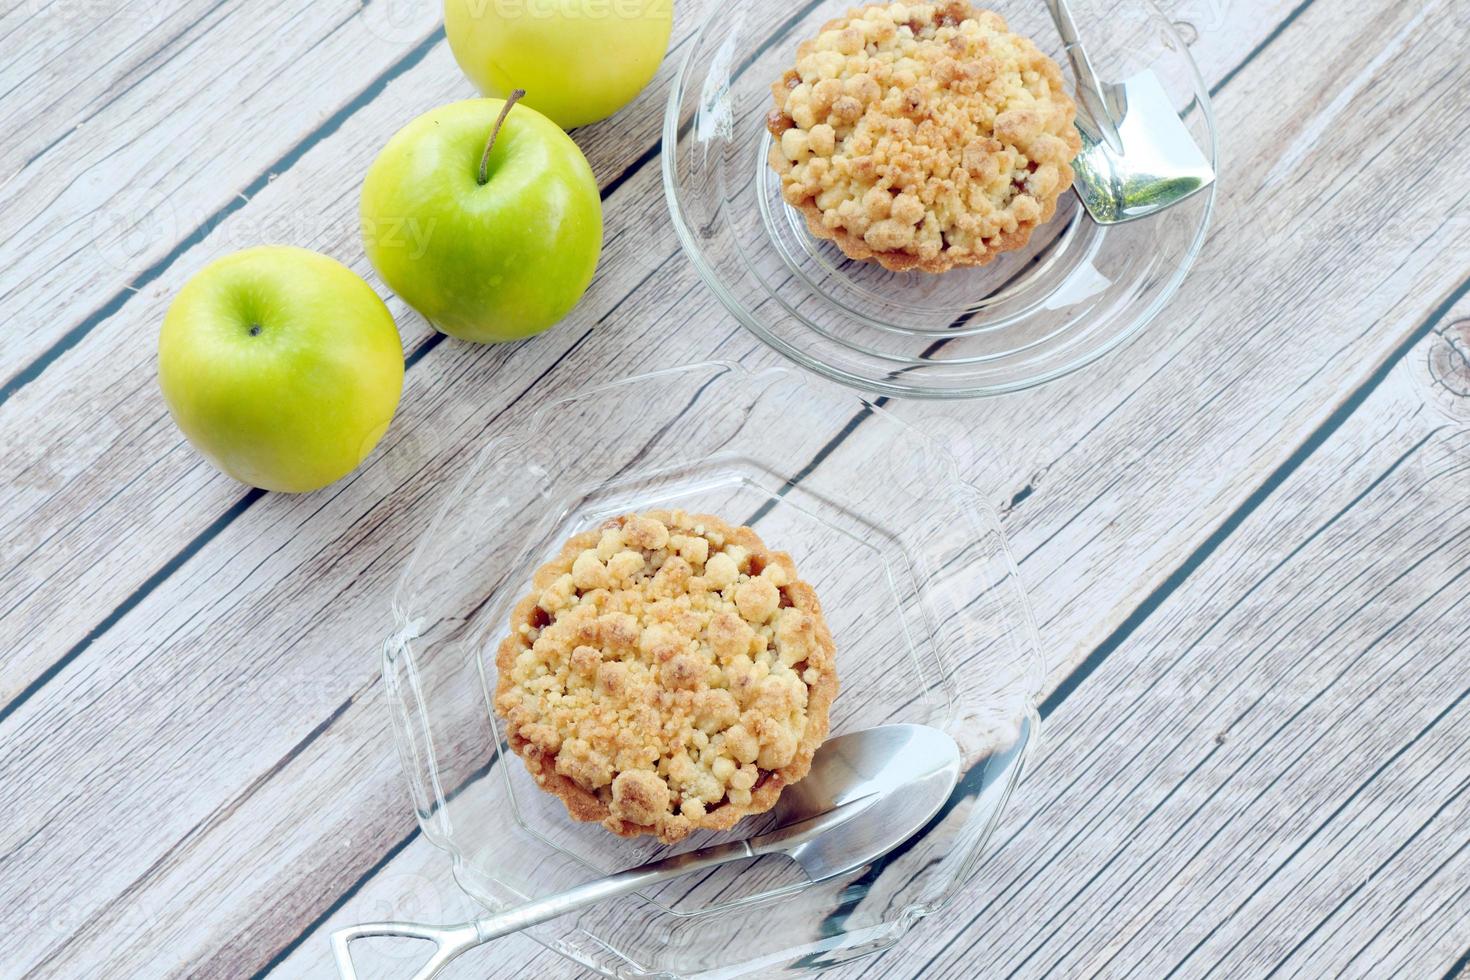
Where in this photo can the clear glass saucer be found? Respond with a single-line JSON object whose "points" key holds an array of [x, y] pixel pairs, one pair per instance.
{"points": [[1076, 291], [931, 624]]}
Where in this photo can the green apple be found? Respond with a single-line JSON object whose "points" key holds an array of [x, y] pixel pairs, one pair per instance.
{"points": [[281, 366], [578, 60], [485, 217]]}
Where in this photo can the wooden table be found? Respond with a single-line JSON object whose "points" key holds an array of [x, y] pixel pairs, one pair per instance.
{"points": [[1244, 533]]}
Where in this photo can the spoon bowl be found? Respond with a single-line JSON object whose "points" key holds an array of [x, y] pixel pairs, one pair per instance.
{"points": [[1137, 156], [903, 774], [1144, 162]]}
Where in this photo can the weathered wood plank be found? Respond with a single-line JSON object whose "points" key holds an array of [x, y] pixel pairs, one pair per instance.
{"points": [[1267, 775], [1144, 433], [143, 173], [45, 42], [937, 923], [314, 616], [1277, 670], [151, 619], [59, 545], [114, 167], [91, 452], [900, 968]]}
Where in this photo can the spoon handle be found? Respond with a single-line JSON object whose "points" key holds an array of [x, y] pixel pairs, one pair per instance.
{"points": [[622, 883], [1090, 89], [451, 941]]}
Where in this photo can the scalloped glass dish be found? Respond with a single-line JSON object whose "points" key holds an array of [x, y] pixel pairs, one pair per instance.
{"points": [[922, 597], [1076, 291]]}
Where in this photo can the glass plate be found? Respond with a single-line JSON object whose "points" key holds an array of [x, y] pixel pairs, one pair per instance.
{"points": [[1076, 291], [921, 595]]}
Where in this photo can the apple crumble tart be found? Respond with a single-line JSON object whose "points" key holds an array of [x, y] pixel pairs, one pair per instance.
{"points": [[667, 673], [923, 135]]}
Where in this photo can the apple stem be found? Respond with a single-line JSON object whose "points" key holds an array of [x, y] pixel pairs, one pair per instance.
{"points": [[490, 145]]}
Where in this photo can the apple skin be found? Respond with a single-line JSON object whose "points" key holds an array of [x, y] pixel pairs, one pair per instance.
{"points": [[281, 366], [578, 60], [494, 262]]}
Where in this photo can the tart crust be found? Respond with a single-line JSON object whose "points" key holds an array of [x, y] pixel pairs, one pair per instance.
{"points": [[668, 673], [923, 136]]}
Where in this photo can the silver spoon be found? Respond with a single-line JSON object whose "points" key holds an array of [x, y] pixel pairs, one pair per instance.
{"points": [[1137, 157], [867, 792]]}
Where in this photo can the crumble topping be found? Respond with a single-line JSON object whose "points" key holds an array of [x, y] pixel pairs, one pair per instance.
{"points": [[667, 673], [923, 135]]}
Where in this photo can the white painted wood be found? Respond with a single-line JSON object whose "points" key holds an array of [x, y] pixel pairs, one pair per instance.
{"points": [[195, 111], [120, 157], [90, 450], [1269, 773], [234, 711]]}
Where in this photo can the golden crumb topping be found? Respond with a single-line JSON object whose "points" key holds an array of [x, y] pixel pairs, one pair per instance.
{"points": [[923, 135], [667, 671]]}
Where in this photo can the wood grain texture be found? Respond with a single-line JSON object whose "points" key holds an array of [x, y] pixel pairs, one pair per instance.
{"points": [[81, 472], [90, 451], [262, 768], [1266, 779], [116, 169]]}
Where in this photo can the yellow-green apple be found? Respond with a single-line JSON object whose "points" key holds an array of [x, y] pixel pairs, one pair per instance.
{"points": [[281, 366], [485, 217], [578, 60]]}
